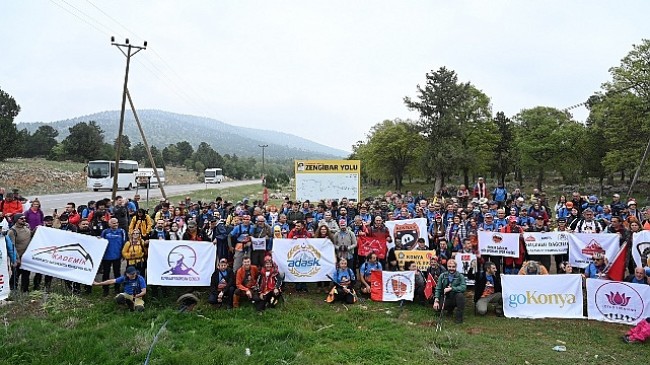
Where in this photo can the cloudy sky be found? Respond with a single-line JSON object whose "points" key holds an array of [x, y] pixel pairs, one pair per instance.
{"points": [[324, 70]]}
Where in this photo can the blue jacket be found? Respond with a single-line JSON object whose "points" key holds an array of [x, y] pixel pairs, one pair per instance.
{"points": [[116, 239]]}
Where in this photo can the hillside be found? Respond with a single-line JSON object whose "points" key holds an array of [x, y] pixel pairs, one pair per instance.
{"points": [[163, 128]]}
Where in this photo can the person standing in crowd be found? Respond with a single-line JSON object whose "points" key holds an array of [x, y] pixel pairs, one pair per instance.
{"points": [[10, 207], [488, 290], [222, 285], [241, 235], [34, 215], [639, 277], [513, 264], [48, 221], [21, 236], [116, 238], [134, 251], [480, 189], [142, 222], [539, 226], [371, 264], [596, 268], [121, 213], [99, 219], [261, 230], [450, 292]]}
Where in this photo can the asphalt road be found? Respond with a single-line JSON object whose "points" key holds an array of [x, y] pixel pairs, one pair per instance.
{"points": [[59, 201]]}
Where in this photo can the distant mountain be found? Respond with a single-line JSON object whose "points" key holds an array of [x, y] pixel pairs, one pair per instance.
{"points": [[163, 128]]}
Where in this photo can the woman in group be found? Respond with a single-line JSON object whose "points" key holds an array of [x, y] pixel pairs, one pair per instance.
{"points": [[420, 282], [142, 222], [343, 279], [324, 232], [34, 215], [436, 231], [270, 284], [179, 219], [174, 232], [635, 227], [134, 251]]}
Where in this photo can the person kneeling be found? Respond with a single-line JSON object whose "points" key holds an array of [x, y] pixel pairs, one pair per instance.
{"points": [[135, 288], [451, 288], [222, 285], [246, 281], [488, 290], [269, 283], [343, 280]]}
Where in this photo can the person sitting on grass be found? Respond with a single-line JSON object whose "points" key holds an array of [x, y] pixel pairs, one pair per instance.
{"points": [[371, 264], [135, 288], [343, 279], [222, 285]]}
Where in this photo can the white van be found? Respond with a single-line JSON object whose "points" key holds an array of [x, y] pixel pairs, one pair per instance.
{"points": [[144, 173], [213, 175]]}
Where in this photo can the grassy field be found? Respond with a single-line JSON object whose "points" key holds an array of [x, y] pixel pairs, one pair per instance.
{"points": [[303, 330]]}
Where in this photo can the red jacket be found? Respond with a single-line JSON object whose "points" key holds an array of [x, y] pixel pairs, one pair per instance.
{"points": [[12, 207]]}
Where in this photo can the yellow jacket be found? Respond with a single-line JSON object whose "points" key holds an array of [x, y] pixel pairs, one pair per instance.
{"points": [[144, 225], [134, 253]]}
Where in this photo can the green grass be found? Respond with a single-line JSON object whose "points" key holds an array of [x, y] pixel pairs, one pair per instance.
{"points": [[303, 330]]}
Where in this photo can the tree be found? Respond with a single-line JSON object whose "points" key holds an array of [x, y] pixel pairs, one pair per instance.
{"points": [[139, 153], [542, 139], [9, 109], [170, 155], [84, 143], [125, 147], [157, 158], [390, 150], [503, 147], [447, 109], [208, 156], [41, 142], [185, 151]]}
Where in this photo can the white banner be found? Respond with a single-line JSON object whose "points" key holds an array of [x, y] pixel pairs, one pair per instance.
{"points": [[546, 243], [498, 244], [63, 254], [407, 231], [641, 248], [304, 260], [259, 244], [180, 263], [617, 302], [4, 269], [542, 296], [583, 245], [391, 286]]}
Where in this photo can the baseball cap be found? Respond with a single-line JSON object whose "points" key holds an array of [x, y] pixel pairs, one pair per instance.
{"points": [[631, 202], [131, 270], [48, 218]]}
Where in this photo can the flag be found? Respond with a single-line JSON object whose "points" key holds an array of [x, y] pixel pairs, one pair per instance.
{"points": [[366, 245], [392, 286], [616, 269], [429, 287]]}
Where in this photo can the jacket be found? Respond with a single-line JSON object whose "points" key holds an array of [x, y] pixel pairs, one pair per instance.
{"points": [[479, 285], [227, 276], [134, 253], [144, 225], [20, 236], [458, 285], [245, 283]]}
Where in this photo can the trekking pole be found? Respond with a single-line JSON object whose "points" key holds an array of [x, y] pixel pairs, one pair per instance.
{"points": [[442, 313]]}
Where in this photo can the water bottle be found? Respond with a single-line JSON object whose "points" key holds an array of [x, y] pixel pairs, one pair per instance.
{"points": [[559, 348]]}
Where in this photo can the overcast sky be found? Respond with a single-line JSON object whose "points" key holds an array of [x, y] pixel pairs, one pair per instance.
{"points": [[324, 70]]}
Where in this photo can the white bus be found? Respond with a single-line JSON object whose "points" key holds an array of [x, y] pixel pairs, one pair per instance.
{"points": [[144, 173], [100, 174], [213, 176]]}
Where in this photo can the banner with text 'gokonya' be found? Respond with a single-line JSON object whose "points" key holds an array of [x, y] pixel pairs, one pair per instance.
{"points": [[63, 254], [542, 296]]}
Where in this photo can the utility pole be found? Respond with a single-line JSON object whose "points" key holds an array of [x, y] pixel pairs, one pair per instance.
{"points": [[263, 171], [131, 50]]}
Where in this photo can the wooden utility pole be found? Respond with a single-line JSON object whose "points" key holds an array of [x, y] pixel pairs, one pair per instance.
{"points": [[118, 148]]}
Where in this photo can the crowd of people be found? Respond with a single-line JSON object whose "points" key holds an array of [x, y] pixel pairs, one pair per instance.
{"points": [[453, 222]]}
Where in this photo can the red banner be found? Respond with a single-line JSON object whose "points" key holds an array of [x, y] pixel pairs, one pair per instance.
{"points": [[366, 245]]}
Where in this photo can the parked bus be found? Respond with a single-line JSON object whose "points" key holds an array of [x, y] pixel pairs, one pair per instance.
{"points": [[145, 173], [101, 172], [213, 176]]}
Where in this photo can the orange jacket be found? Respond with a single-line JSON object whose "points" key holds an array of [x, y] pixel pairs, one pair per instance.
{"points": [[241, 273]]}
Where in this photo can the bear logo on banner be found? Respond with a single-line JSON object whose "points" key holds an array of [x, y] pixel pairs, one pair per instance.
{"points": [[407, 234]]}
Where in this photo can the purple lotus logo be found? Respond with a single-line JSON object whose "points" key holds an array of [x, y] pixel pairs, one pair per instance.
{"points": [[618, 299]]}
